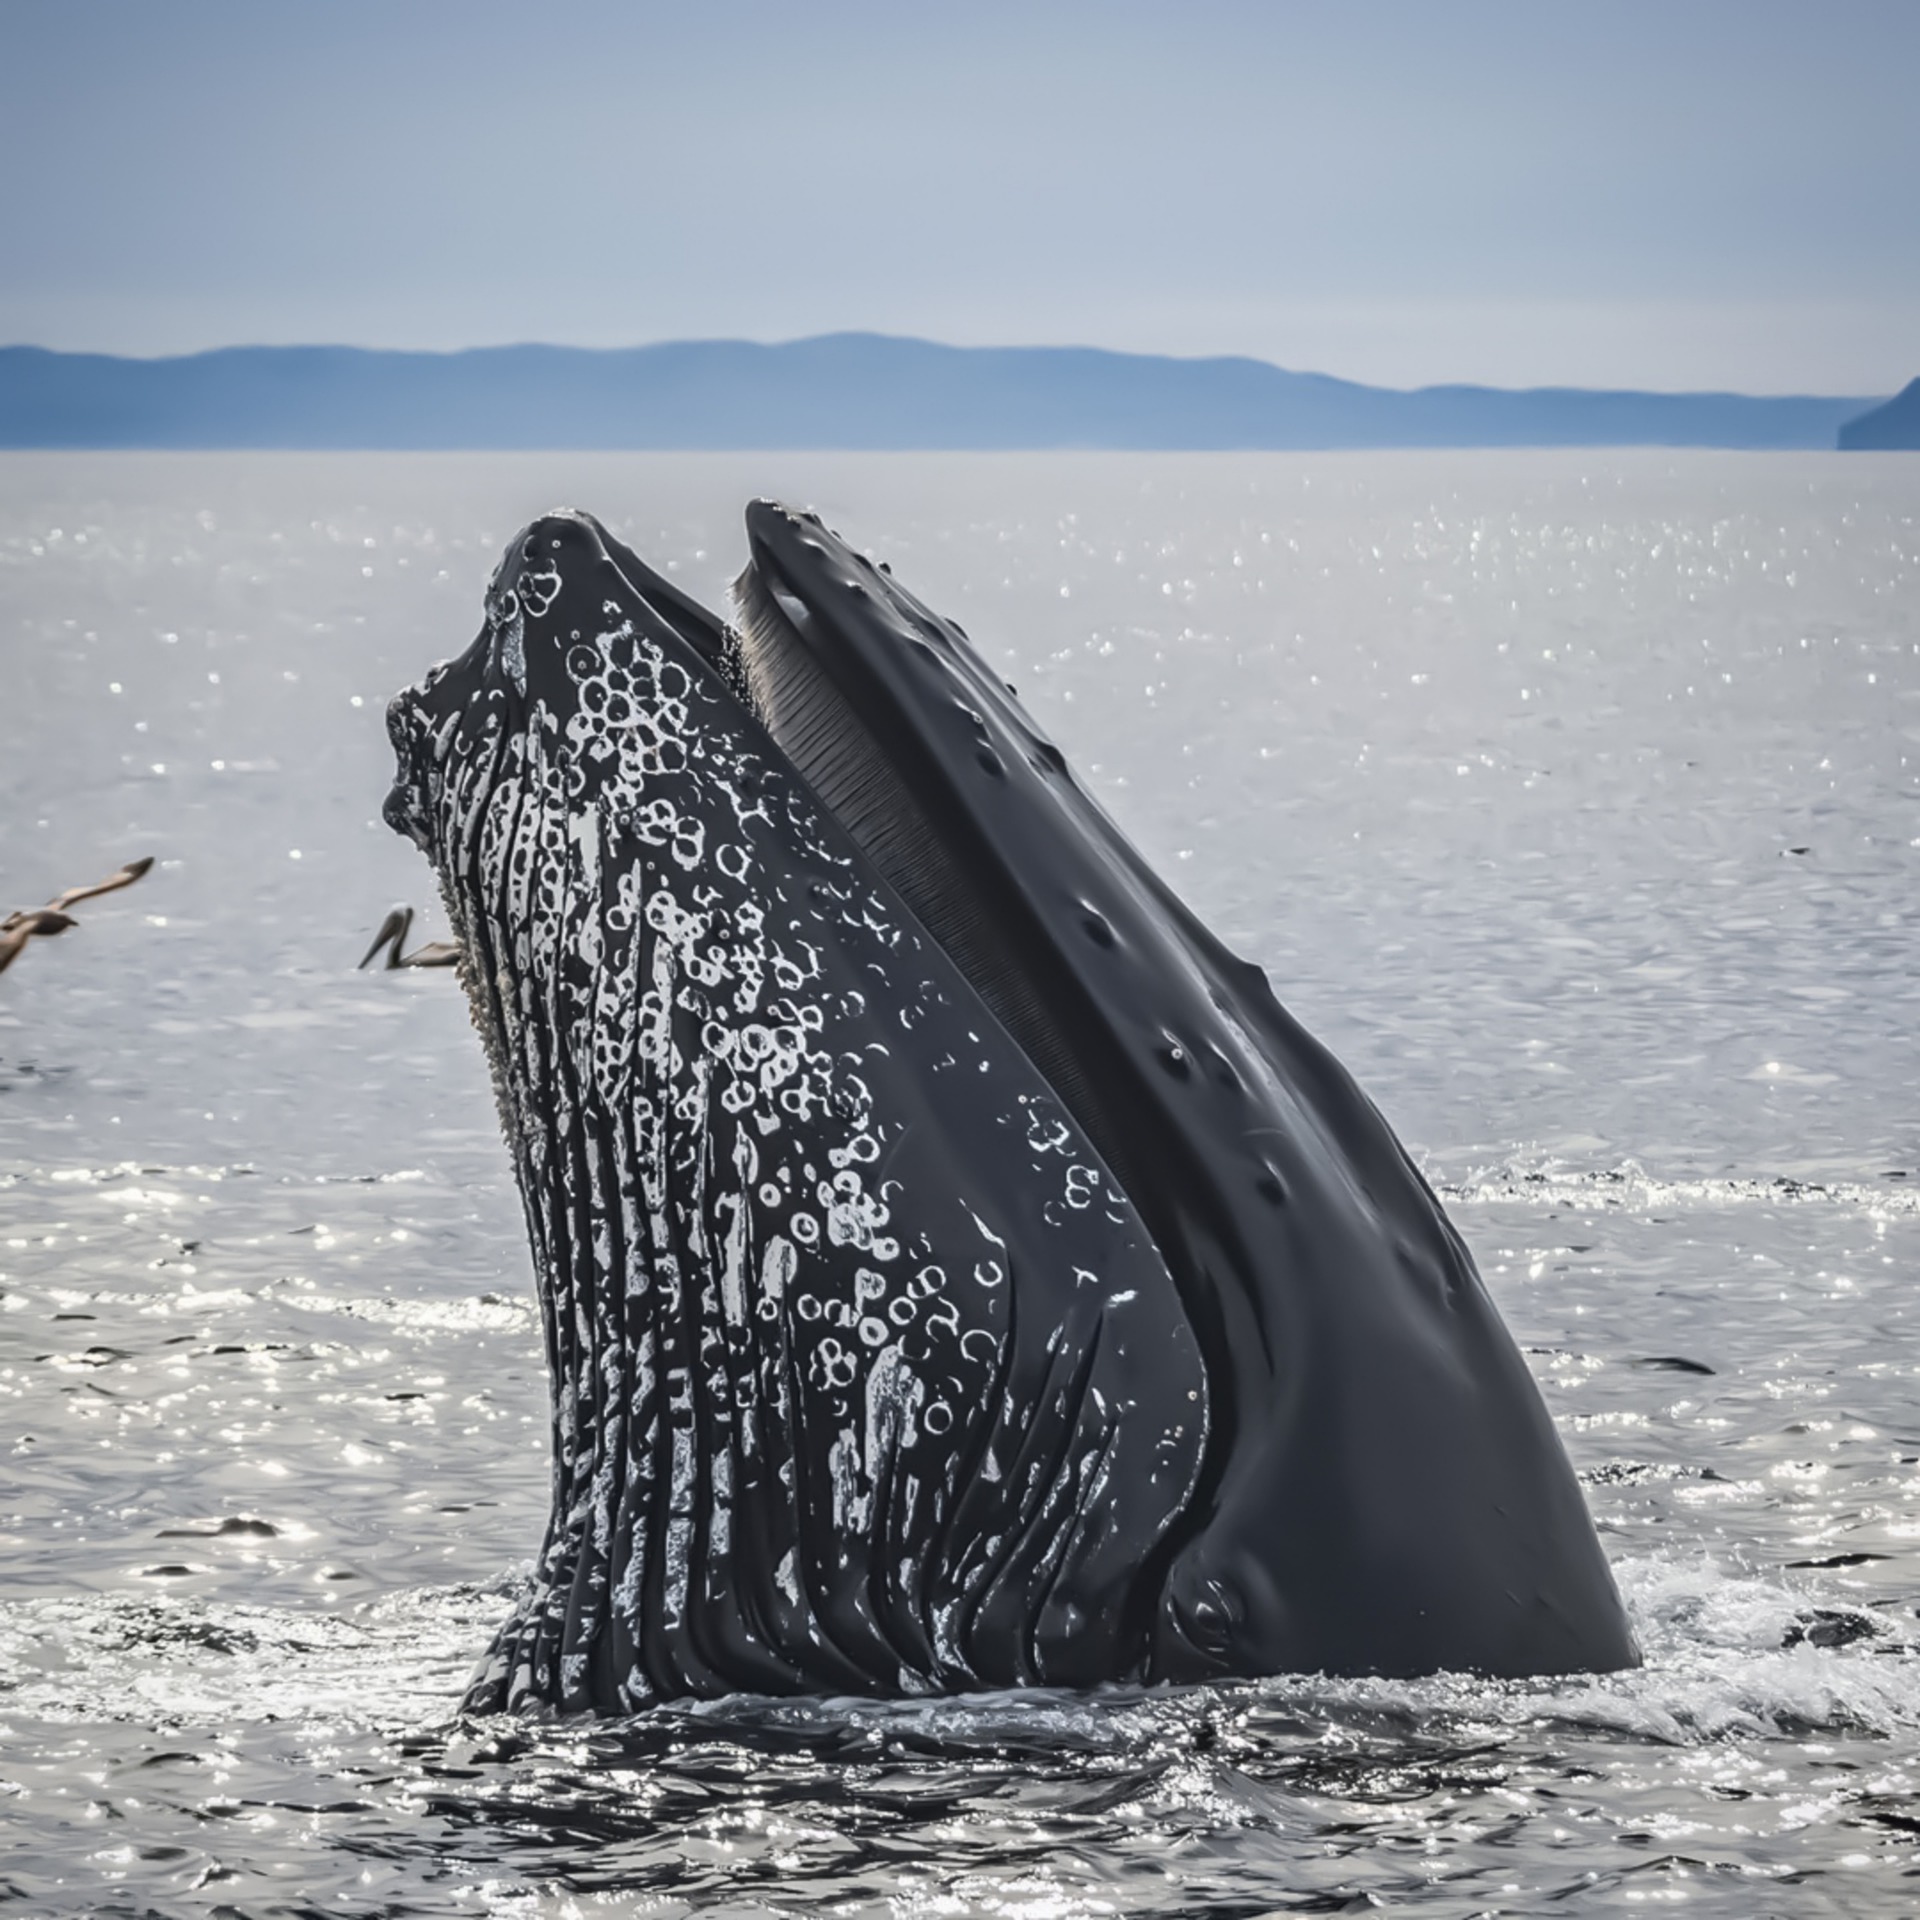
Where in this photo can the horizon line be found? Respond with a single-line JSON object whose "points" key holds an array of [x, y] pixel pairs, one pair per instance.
{"points": [[919, 340]]}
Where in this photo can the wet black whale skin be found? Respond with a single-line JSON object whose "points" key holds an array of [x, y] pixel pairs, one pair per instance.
{"points": [[1287, 1431]]}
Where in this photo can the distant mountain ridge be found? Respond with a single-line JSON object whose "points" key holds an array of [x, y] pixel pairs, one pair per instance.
{"points": [[842, 390], [1893, 426]]}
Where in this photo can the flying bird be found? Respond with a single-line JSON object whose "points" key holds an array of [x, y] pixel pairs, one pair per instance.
{"points": [[120, 877], [31, 922]]}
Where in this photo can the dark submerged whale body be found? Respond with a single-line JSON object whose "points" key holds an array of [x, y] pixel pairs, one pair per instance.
{"points": [[957, 1269]]}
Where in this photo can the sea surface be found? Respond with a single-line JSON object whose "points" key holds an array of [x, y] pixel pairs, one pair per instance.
{"points": [[1574, 799]]}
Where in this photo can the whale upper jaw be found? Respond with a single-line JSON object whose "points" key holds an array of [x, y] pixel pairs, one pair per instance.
{"points": [[1384, 1490]]}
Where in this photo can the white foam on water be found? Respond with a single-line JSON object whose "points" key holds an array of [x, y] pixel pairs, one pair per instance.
{"points": [[1630, 1188]]}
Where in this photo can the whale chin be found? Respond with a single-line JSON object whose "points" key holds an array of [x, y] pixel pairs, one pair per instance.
{"points": [[957, 1270]]}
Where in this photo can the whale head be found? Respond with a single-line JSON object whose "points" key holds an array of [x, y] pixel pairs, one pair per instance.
{"points": [[957, 1268]]}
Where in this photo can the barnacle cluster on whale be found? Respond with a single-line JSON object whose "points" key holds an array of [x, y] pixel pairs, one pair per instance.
{"points": [[956, 1268]]}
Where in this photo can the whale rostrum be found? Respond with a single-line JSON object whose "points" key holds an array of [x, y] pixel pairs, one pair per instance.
{"points": [[956, 1268]]}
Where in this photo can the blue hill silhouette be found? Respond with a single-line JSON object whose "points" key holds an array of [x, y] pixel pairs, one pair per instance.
{"points": [[1897, 424], [844, 390]]}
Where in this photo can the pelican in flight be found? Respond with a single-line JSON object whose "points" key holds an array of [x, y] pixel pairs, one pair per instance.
{"points": [[120, 877], [18, 928], [393, 936]]}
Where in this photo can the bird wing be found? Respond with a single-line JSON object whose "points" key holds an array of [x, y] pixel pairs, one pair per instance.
{"points": [[121, 877]]}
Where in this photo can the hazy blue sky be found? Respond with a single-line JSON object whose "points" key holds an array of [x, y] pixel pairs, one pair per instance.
{"points": [[1696, 192]]}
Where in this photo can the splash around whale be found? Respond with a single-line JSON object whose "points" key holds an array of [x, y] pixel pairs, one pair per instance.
{"points": [[957, 1269]]}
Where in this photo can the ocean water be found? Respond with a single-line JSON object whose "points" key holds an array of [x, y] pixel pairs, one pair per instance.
{"points": [[1574, 799]]}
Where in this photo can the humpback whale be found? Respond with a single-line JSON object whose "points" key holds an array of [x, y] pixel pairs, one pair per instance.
{"points": [[956, 1268]]}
